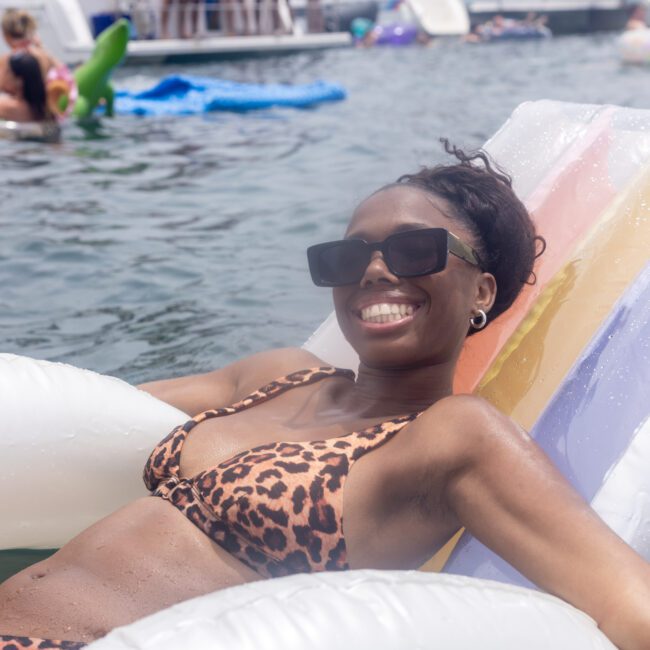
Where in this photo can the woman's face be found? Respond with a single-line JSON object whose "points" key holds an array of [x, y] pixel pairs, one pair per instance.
{"points": [[434, 310]]}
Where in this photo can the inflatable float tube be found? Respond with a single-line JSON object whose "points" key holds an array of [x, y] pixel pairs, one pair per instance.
{"points": [[365, 32], [30, 131], [634, 46], [77, 431], [382, 610], [80, 92], [190, 95], [395, 34], [554, 362], [61, 422], [93, 77]]}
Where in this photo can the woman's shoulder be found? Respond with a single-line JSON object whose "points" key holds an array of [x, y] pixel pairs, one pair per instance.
{"points": [[466, 427], [264, 367], [227, 385], [44, 58]]}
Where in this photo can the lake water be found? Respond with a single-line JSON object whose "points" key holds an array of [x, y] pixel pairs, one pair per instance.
{"points": [[150, 248]]}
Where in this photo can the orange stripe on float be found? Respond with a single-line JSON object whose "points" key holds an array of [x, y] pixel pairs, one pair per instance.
{"points": [[570, 310], [579, 193]]}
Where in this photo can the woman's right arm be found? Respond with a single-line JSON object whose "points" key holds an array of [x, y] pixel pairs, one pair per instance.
{"points": [[508, 494], [224, 386]]}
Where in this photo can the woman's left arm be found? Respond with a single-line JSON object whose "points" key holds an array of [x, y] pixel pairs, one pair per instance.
{"points": [[10, 108], [507, 493]]}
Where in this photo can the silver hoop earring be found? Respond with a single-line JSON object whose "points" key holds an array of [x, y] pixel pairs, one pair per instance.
{"points": [[479, 321]]}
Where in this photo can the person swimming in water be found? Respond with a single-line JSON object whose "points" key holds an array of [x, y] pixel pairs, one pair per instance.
{"points": [[23, 97], [284, 448], [637, 19], [19, 30]]}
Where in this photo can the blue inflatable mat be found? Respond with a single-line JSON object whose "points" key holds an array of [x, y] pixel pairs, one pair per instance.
{"points": [[188, 95]]}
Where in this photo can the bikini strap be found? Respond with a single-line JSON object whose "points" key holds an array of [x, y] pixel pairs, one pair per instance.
{"points": [[165, 459], [378, 434], [275, 388]]}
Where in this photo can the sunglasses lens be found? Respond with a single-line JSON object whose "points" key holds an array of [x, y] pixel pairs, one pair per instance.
{"points": [[343, 262], [416, 253], [407, 254]]}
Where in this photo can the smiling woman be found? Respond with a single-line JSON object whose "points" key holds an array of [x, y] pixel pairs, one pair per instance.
{"points": [[294, 466]]}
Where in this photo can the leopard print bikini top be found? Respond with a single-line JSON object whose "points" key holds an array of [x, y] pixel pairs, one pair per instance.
{"points": [[276, 507]]}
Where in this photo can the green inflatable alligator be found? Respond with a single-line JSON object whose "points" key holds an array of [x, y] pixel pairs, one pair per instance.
{"points": [[93, 77]]}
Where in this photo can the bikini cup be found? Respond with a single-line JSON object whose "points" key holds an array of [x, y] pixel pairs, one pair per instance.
{"points": [[276, 507]]}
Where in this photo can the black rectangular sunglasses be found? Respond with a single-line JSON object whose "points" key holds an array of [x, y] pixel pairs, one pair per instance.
{"points": [[406, 254]]}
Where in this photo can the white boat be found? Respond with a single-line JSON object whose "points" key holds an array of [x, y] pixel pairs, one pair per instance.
{"points": [[563, 16], [66, 30]]}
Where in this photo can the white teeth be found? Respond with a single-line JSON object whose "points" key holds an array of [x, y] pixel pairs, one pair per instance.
{"points": [[386, 312]]}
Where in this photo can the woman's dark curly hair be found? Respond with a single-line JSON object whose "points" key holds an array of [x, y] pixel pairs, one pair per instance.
{"points": [[481, 198]]}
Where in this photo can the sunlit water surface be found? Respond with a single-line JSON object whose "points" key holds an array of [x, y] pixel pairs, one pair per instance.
{"points": [[149, 247]]}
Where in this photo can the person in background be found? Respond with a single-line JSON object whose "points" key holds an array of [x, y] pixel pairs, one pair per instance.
{"points": [[533, 19], [315, 17], [187, 12], [212, 15], [19, 29], [637, 19], [143, 18], [23, 97]]}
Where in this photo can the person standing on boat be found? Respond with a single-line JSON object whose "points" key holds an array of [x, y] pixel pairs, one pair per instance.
{"points": [[315, 17], [187, 11], [143, 17]]}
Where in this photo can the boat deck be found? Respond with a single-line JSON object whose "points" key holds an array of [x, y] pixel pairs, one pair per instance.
{"points": [[218, 47]]}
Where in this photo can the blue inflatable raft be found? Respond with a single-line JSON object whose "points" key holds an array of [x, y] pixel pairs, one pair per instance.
{"points": [[189, 95]]}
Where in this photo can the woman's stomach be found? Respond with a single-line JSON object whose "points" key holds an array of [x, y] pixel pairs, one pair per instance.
{"points": [[142, 558]]}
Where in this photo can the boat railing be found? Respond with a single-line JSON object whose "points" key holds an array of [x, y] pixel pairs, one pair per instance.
{"points": [[198, 19]]}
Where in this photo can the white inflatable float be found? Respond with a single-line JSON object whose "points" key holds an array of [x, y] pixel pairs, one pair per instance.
{"points": [[365, 610], [64, 427], [583, 329], [72, 447]]}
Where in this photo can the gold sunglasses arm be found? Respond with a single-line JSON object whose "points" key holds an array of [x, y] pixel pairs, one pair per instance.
{"points": [[462, 250]]}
